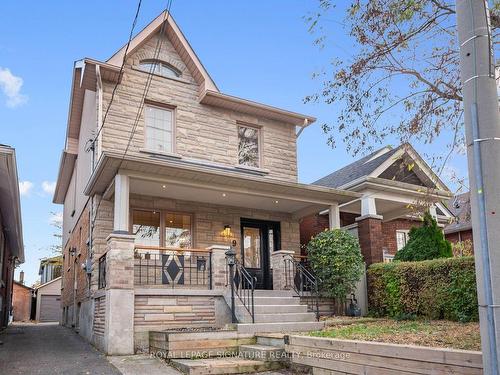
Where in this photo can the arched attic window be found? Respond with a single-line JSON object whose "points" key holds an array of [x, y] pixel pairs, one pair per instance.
{"points": [[160, 68]]}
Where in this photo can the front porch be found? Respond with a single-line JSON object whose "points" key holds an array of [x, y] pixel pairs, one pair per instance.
{"points": [[165, 266]]}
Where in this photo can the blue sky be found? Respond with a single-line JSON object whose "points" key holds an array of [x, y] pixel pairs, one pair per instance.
{"points": [[259, 50]]}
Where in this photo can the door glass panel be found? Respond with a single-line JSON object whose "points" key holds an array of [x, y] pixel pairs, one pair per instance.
{"points": [[146, 227], [251, 247]]}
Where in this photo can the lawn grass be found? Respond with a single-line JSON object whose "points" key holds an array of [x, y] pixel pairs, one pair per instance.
{"points": [[436, 333]]}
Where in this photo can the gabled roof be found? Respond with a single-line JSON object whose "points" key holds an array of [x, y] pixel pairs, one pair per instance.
{"points": [[179, 42], [360, 168], [87, 71], [47, 283], [375, 164]]}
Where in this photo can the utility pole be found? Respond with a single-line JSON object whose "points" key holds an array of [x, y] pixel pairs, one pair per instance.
{"points": [[482, 124]]}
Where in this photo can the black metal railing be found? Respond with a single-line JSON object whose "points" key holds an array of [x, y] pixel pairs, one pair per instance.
{"points": [[175, 268], [101, 278], [243, 284], [300, 278]]}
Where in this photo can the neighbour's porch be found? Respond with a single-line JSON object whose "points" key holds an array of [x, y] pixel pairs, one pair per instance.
{"points": [[384, 202]]}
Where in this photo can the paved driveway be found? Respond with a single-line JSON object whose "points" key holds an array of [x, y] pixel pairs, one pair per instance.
{"points": [[49, 349]]}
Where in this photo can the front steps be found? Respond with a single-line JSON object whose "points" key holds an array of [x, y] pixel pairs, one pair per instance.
{"points": [[276, 311], [251, 358]]}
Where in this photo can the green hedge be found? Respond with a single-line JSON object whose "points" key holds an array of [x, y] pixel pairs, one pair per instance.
{"points": [[434, 289]]}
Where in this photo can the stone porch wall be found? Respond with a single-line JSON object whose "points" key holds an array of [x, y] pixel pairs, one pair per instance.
{"points": [[209, 220], [170, 309]]}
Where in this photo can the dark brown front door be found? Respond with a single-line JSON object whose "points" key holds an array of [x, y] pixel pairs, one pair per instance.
{"points": [[258, 239]]}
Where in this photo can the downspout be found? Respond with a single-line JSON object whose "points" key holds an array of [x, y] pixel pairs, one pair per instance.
{"points": [[306, 124]]}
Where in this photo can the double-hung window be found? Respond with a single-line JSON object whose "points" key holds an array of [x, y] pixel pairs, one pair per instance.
{"points": [[159, 132], [402, 238], [248, 146]]}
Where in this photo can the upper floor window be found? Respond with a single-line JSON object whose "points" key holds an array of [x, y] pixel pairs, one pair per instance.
{"points": [[248, 146], [160, 68], [159, 129]]}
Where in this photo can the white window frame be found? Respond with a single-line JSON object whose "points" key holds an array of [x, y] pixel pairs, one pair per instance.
{"points": [[406, 233], [158, 66], [173, 112], [259, 144]]}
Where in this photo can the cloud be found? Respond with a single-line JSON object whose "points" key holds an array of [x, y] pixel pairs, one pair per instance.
{"points": [[49, 187], [11, 87], [56, 218], [25, 188]]}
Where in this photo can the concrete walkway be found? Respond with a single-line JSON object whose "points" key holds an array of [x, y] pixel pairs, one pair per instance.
{"points": [[49, 349]]}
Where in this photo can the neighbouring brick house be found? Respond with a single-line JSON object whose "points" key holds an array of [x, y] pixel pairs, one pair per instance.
{"points": [[158, 192], [392, 181], [11, 231]]}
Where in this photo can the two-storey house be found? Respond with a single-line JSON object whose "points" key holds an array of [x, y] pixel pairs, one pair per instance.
{"points": [[161, 174]]}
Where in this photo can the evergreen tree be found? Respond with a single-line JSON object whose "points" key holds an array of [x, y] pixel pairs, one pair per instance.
{"points": [[426, 242]]}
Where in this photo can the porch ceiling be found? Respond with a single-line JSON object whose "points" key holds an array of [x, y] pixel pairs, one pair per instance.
{"points": [[178, 191], [194, 181]]}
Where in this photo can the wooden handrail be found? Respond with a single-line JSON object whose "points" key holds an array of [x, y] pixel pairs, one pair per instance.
{"points": [[159, 248]]}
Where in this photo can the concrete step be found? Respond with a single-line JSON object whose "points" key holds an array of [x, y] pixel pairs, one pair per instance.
{"points": [[262, 352], [223, 366], [273, 293], [284, 327], [280, 300], [285, 317], [278, 309], [271, 339]]}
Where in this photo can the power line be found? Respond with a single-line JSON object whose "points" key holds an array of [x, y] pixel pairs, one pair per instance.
{"points": [[144, 94], [134, 23]]}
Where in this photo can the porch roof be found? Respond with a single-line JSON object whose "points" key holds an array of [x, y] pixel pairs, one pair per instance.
{"points": [[196, 181]]}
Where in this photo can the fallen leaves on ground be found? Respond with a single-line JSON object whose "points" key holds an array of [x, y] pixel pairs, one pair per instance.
{"points": [[435, 333]]}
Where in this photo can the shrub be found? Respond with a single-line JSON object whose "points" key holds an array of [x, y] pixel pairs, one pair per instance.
{"points": [[336, 260], [426, 242], [433, 289]]}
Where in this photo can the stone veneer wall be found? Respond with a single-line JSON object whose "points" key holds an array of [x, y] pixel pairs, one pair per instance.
{"points": [[156, 312], [202, 132], [209, 220]]}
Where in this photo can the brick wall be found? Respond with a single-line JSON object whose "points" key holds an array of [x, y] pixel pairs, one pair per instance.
{"points": [[72, 264], [21, 302], [389, 229], [202, 132], [371, 240], [310, 226], [314, 224], [460, 236]]}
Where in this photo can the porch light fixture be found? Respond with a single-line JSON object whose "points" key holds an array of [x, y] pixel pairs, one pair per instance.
{"points": [[226, 233], [276, 201], [164, 186], [223, 194]]}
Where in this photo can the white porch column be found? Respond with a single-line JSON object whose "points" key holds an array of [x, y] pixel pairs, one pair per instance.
{"points": [[368, 206], [121, 213], [334, 216]]}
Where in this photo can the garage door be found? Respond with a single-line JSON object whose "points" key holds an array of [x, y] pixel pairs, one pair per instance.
{"points": [[50, 308]]}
